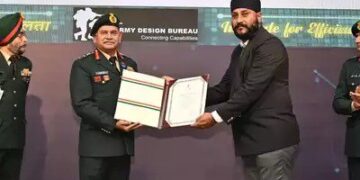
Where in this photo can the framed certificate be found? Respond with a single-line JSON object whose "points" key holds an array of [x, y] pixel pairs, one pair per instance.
{"points": [[149, 100]]}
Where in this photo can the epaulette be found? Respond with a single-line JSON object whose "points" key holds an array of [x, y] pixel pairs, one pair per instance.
{"points": [[86, 55], [97, 55]]}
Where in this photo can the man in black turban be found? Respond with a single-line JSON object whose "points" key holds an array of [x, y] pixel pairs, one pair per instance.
{"points": [[253, 96], [244, 30]]}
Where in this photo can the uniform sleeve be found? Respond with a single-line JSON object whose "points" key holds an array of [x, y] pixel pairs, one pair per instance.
{"points": [[342, 100], [135, 66], [130, 62], [83, 103], [30, 65], [30, 68]]}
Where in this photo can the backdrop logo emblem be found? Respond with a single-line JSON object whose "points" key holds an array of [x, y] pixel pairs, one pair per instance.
{"points": [[84, 20]]}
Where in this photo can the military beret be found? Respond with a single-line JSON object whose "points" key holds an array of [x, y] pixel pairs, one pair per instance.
{"points": [[355, 29], [106, 19], [254, 5], [10, 26]]}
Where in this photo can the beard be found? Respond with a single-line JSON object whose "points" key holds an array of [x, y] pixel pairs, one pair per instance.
{"points": [[17, 49], [20, 51], [251, 30]]}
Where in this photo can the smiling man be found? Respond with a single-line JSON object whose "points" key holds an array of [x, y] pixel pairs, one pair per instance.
{"points": [[105, 144], [253, 96], [15, 72]]}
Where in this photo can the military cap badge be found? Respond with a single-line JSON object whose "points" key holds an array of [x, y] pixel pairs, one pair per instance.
{"points": [[112, 18]]}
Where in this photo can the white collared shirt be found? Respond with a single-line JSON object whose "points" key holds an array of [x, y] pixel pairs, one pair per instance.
{"points": [[243, 44]]}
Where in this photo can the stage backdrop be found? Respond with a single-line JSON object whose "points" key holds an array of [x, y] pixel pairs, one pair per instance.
{"points": [[318, 37], [304, 4]]}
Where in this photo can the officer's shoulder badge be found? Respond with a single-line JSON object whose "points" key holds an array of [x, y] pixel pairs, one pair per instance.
{"points": [[85, 55]]}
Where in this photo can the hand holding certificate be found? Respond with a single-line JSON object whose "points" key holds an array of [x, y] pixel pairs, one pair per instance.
{"points": [[204, 121], [126, 125], [150, 101]]}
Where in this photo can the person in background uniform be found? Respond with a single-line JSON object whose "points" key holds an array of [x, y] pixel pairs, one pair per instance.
{"points": [[15, 72], [253, 96], [347, 102], [105, 144]]}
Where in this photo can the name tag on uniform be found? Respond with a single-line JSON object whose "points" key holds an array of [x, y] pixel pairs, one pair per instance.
{"points": [[1, 93]]}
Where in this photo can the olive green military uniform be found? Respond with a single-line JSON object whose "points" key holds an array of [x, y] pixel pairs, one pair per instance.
{"points": [[12, 114], [14, 83], [94, 86], [348, 81]]}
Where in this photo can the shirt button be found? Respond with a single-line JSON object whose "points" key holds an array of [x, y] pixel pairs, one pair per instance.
{"points": [[14, 92], [14, 118], [14, 78], [15, 105]]}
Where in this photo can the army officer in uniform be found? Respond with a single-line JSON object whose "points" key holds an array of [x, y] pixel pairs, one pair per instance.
{"points": [[15, 71], [105, 144], [347, 102]]}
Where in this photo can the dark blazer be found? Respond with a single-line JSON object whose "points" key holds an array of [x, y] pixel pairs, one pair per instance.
{"points": [[349, 79], [12, 104], [94, 87], [253, 96]]}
